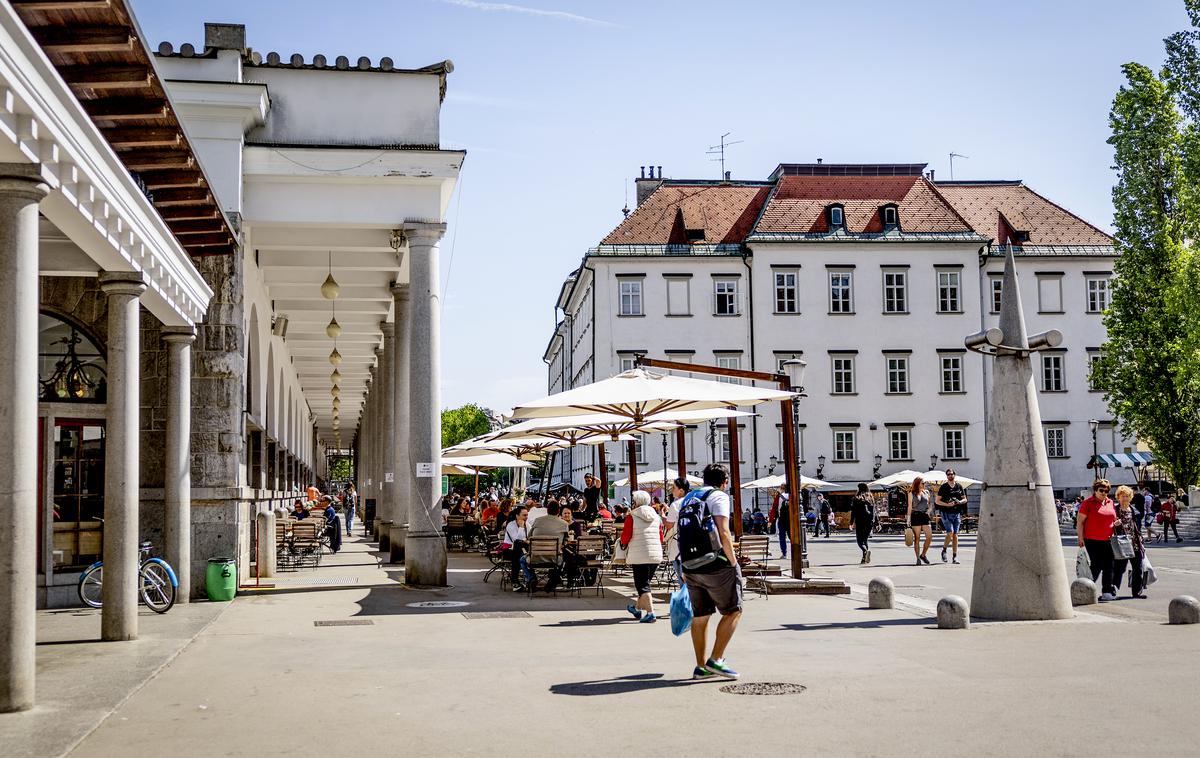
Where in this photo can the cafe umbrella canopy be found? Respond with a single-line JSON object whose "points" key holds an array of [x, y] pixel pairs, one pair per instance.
{"points": [[779, 481], [905, 478]]}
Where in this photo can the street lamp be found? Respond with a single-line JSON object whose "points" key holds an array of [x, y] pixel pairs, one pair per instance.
{"points": [[1095, 462], [933, 459], [878, 466], [820, 466], [774, 463]]}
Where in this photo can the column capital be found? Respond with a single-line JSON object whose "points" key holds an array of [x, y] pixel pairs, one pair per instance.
{"points": [[22, 180], [122, 283], [400, 291], [179, 334], [388, 329], [425, 233]]}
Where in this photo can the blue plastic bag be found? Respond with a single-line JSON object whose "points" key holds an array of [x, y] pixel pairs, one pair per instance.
{"points": [[681, 610]]}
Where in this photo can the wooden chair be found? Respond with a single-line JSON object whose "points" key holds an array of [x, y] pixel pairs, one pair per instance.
{"points": [[306, 542], [589, 560], [455, 528], [283, 542], [753, 554], [545, 555]]}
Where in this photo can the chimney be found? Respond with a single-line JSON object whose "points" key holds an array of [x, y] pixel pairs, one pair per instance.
{"points": [[931, 175], [225, 37], [820, 161], [727, 173], [644, 172], [647, 184]]}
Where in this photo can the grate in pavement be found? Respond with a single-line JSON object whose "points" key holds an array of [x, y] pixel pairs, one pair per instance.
{"points": [[345, 622], [498, 615], [327, 580], [764, 688]]}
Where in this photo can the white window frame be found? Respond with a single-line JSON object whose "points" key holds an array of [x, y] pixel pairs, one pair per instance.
{"points": [[895, 292], [949, 451], [1056, 442], [1054, 372], [899, 444], [729, 360], [995, 293], [1099, 293], [841, 281], [897, 374], [845, 444], [639, 442], [626, 361], [1092, 357], [673, 308], [630, 301], [1048, 285], [790, 302], [949, 291], [840, 221], [848, 369], [727, 288], [893, 212], [951, 375]]}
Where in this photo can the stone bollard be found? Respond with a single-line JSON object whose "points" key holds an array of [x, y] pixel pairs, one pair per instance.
{"points": [[266, 544], [1184, 609], [881, 593], [953, 613], [1084, 592]]}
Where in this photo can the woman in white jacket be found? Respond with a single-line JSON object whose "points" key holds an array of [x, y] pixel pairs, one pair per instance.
{"points": [[644, 553]]}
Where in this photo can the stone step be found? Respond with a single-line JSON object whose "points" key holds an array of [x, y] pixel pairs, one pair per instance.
{"points": [[786, 585]]}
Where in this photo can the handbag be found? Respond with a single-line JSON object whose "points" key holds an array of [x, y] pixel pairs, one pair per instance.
{"points": [[1122, 547], [910, 536], [1149, 575], [1083, 565]]}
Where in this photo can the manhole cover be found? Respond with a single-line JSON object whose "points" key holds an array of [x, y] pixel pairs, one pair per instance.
{"points": [[498, 615], [764, 688], [345, 622], [438, 604], [329, 580]]}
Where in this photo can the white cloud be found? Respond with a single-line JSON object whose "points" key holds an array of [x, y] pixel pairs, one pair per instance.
{"points": [[525, 10]]}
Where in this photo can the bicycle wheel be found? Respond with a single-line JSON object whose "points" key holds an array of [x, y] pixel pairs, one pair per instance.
{"points": [[157, 591], [90, 584]]}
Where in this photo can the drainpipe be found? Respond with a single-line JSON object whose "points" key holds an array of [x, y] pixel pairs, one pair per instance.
{"points": [[985, 306], [747, 255]]}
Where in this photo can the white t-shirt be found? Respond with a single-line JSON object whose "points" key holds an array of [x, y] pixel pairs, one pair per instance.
{"points": [[534, 515], [718, 503]]}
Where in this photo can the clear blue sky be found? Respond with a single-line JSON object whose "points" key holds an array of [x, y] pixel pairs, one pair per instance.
{"points": [[559, 103]]}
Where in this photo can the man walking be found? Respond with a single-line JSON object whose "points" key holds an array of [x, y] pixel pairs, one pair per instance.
{"points": [[783, 523], [350, 501], [824, 512], [711, 572], [951, 504]]}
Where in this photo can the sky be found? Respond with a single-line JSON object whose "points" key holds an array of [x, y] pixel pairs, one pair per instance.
{"points": [[559, 103]]}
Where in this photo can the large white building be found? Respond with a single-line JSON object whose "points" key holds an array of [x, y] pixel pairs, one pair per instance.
{"points": [[873, 274]]}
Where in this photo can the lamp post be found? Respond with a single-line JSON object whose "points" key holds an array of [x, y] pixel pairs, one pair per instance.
{"points": [[878, 466], [933, 459], [820, 466], [1095, 462], [712, 440], [794, 370]]}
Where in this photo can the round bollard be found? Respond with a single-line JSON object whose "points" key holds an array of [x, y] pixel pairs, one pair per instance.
{"points": [[881, 593], [1184, 609], [1084, 592], [952, 613]]}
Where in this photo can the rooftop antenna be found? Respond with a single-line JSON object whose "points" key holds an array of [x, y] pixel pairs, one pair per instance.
{"points": [[625, 210], [720, 151], [952, 157]]}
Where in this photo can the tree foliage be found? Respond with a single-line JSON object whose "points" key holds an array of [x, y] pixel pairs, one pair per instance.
{"points": [[463, 423], [341, 469], [1150, 366]]}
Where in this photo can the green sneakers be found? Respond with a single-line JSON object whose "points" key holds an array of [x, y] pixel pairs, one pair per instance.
{"points": [[719, 668], [700, 673]]}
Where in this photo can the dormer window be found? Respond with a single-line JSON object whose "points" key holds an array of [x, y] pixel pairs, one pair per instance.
{"points": [[837, 218], [891, 217]]}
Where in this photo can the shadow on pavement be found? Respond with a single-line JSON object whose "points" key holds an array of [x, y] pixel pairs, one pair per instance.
{"points": [[589, 622], [875, 624], [618, 685]]}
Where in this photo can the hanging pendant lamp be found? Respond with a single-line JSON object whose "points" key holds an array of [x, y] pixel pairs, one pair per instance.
{"points": [[335, 390], [330, 288], [335, 357], [333, 329], [336, 376]]}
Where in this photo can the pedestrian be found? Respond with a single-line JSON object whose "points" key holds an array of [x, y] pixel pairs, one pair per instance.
{"points": [[351, 502], [1129, 525], [679, 490], [824, 514], [919, 517], [951, 504], [591, 498], [1097, 517], [710, 570], [784, 523], [862, 518], [1170, 519], [643, 554]]}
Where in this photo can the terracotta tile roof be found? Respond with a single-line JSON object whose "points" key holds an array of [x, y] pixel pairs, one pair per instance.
{"points": [[798, 205], [998, 209], [676, 212]]}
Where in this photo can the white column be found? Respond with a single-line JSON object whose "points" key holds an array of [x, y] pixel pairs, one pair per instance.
{"points": [[118, 618], [402, 493], [425, 551], [21, 189], [177, 468], [371, 412], [387, 447]]}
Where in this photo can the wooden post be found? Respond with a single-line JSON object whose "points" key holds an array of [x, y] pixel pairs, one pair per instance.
{"points": [[632, 447], [477, 486], [793, 487], [603, 474], [735, 477], [681, 450]]}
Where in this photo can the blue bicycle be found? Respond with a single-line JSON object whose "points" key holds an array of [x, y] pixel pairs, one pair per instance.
{"points": [[158, 582]]}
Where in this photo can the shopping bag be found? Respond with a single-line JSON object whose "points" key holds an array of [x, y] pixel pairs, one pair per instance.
{"points": [[1122, 547], [1083, 565], [910, 536], [1149, 575], [681, 610]]}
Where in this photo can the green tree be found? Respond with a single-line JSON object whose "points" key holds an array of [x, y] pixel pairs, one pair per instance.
{"points": [[341, 469], [1149, 365], [459, 424]]}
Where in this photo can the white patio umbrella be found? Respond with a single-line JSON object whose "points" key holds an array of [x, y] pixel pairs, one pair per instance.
{"points": [[458, 471], [907, 476], [485, 459], [779, 481], [577, 428], [658, 477], [638, 394]]}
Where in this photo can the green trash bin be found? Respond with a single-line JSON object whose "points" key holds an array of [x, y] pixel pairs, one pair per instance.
{"points": [[221, 580]]}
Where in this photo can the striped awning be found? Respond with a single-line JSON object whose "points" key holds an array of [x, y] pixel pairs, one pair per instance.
{"points": [[1121, 460]]}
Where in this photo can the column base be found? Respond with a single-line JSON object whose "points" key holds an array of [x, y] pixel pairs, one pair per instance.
{"points": [[398, 538], [425, 560], [384, 535]]}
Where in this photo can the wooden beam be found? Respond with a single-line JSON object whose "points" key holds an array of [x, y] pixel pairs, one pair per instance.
{"points": [[206, 240], [127, 137], [126, 108], [198, 225], [106, 77], [171, 178], [182, 196], [187, 213], [83, 39], [145, 160], [62, 5]]}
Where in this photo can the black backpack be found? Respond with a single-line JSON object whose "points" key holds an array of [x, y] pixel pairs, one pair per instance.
{"points": [[699, 543]]}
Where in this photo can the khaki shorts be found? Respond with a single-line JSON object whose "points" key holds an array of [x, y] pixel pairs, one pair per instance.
{"points": [[718, 591]]}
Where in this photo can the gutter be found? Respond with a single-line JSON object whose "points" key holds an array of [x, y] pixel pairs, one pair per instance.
{"points": [[984, 307], [747, 254]]}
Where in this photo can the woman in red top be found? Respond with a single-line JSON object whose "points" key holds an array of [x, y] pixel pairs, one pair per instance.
{"points": [[1170, 519], [1097, 515]]}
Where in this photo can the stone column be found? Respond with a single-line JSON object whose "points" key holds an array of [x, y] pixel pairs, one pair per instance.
{"points": [[177, 472], [21, 189], [402, 494], [425, 551], [369, 413], [118, 618], [387, 448]]}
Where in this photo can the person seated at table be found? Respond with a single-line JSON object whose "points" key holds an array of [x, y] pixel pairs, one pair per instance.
{"points": [[551, 525], [515, 544], [574, 526], [333, 525], [489, 513], [502, 518], [603, 512], [298, 510]]}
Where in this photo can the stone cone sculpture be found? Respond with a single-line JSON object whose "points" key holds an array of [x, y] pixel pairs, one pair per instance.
{"points": [[1019, 569]]}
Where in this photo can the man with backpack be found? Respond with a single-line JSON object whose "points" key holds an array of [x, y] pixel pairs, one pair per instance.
{"points": [[710, 570]]}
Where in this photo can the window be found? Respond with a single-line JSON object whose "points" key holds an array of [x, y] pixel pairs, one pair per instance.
{"points": [[725, 294], [678, 296], [729, 361], [1097, 294], [1056, 442], [954, 444], [1053, 379], [639, 447], [626, 361], [837, 218], [897, 374], [900, 444], [843, 375], [845, 447], [889, 215], [723, 445], [1093, 381], [783, 357], [949, 289], [785, 292], [1049, 293], [997, 288], [841, 298], [895, 291], [631, 297], [952, 373]]}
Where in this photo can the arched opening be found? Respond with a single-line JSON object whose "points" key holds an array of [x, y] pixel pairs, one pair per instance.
{"points": [[71, 364]]}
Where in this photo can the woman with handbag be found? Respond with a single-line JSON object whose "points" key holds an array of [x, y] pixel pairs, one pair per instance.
{"points": [[1170, 519], [1128, 531], [643, 553], [919, 516], [1097, 517]]}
